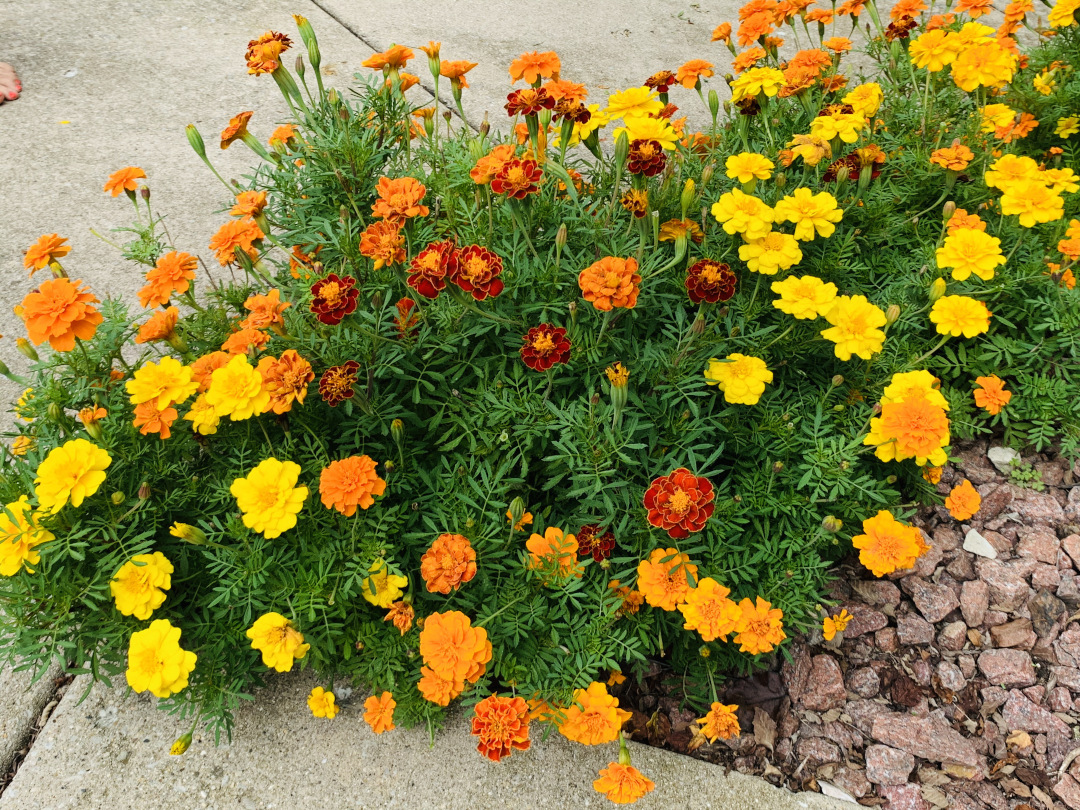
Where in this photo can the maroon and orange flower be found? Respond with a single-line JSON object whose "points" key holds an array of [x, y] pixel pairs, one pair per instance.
{"points": [[680, 503], [595, 540], [645, 158], [529, 101], [432, 266], [477, 272], [545, 345], [517, 178], [334, 298], [710, 281], [336, 383]]}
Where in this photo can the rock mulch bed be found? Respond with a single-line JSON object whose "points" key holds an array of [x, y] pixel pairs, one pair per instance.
{"points": [[956, 684]]}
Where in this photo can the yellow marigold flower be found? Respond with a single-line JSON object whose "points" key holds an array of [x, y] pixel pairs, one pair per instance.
{"points": [[1010, 170], [757, 81], [855, 326], [166, 383], [973, 33], [743, 213], [811, 148], [22, 445], [1063, 14], [995, 116], [865, 98], [933, 50], [680, 229], [622, 783], [156, 662], [720, 723], [20, 533], [1068, 126], [269, 497], [323, 703], [835, 624], [761, 627], [805, 298], [887, 545], [236, 390], [845, 126], [380, 587], [911, 428], [708, 610], [813, 214], [635, 101], [666, 577], [992, 395], [380, 712], [279, 642], [617, 375], [969, 251], [139, 586], [959, 315], [595, 718], [747, 166], [740, 377], [647, 128], [1044, 82], [203, 416], [908, 384], [963, 501], [931, 474], [1032, 202], [73, 471], [985, 65], [1061, 181], [773, 252]]}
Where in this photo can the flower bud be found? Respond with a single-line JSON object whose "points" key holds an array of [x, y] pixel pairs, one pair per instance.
{"points": [[714, 103], [687, 196], [780, 180], [892, 314], [389, 466], [947, 210], [117, 498], [300, 69], [397, 430], [332, 96], [5, 371], [55, 412], [560, 237], [837, 380], [937, 289], [188, 533], [572, 306], [890, 479], [94, 429], [196, 141], [26, 349], [594, 399], [842, 174], [517, 510], [697, 328], [706, 174], [778, 467], [144, 192], [832, 524], [144, 491], [622, 149], [485, 127], [181, 745]]}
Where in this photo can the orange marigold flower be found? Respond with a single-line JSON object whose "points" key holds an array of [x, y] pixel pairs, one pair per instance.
{"points": [[488, 166], [265, 311], [975, 8], [595, 718], [747, 59], [236, 129], [610, 283], [173, 273], [720, 723], [249, 204], [571, 92], [680, 503], [916, 427], [285, 379], [124, 180], [399, 199], [887, 545], [754, 27], [263, 55], [502, 724], [906, 9], [532, 66], [380, 712], [962, 220], [831, 625], [631, 600], [453, 648], [91, 416], [708, 610], [555, 549], [47, 248], [161, 326], [1069, 248], [963, 501], [284, 136], [245, 341], [693, 72], [149, 419], [455, 72], [205, 366], [822, 16], [622, 784], [761, 627], [852, 7], [954, 158], [349, 483], [991, 396], [526, 519], [675, 229], [393, 58], [437, 689], [814, 60], [405, 82], [384, 243], [237, 233], [406, 324], [722, 33], [837, 44], [401, 614], [666, 577], [477, 272], [517, 178], [60, 311], [450, 562]]}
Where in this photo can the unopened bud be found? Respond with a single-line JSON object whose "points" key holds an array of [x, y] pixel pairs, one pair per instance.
{"points": [[714, 103], [697, 328], [890, 479], [188, 533], [937, 289], [300, 70], [144, 192], [778, 467], [704, 651], [94, 429], [397, 430], [687, 198], [447, 116], [26, 349], [837, 380], [832, 524], [947, 210], [892, 314], [389, 466], [842, 174], [181, 745], [55, 412], [332, 96], [876, 409], [196, 141], [622, 149], [780, 180], [595, 399], [485, 127], [572, 306], [377, 300], [117, 498], [706, 174], [144, 491], [517, 510], [560, 237]]}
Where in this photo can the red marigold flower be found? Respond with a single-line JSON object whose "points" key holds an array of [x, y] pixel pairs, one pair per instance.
{"points": [[529, 101], [432, 266], [645, 158], [566, 109], [545, 345], [476, 271], [595, 540], [406, 324], [710, 281], [517, 178], [336, 383], [661, 81], [502, 724], [680, 503], [334, 298]]}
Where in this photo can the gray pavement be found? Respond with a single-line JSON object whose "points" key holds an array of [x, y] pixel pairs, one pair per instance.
{"points": [[111, 83]]}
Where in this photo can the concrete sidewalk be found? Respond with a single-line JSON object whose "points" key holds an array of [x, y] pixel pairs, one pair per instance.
{"points": [[111, 83]]}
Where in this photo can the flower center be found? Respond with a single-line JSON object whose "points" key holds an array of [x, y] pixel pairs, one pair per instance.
{"points": [[773, 242], [516, 176], [543, 343], [149, 662], [331, 293], [612, 280], [475, 268], [679, 502]]}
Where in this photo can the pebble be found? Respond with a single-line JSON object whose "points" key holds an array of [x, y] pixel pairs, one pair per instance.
{"points": [[1007, 667], [888, 766], [977, 544]]}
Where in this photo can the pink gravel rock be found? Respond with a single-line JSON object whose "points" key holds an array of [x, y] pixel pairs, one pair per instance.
{"points": [[1046, 577], [1036, 694], [994, 500], [1007, 581], [1021, 714], [865, 682], [1071, 544], [1069, 590], [888, 766], [947, 538], [1067, 676], [1036, 507], [1068, 790], [1067, 647], [934, 602], [1001, 543], [1039, 542], [912, 629], [887, 640], [921, 672], [966, 664], [1017, 633], [995, 617], [818, 749], [796, 672], [903, 797], [1007, 667], [863, 619], [993, 698], [863, 713], [950, 676], [929, 738], [853, 780], [825, 686], [962, 567], [974, 600], [953, 636], [977, 467]]}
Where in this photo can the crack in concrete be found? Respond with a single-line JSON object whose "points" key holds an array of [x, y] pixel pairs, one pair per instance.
{"points": [[50, 701]]}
